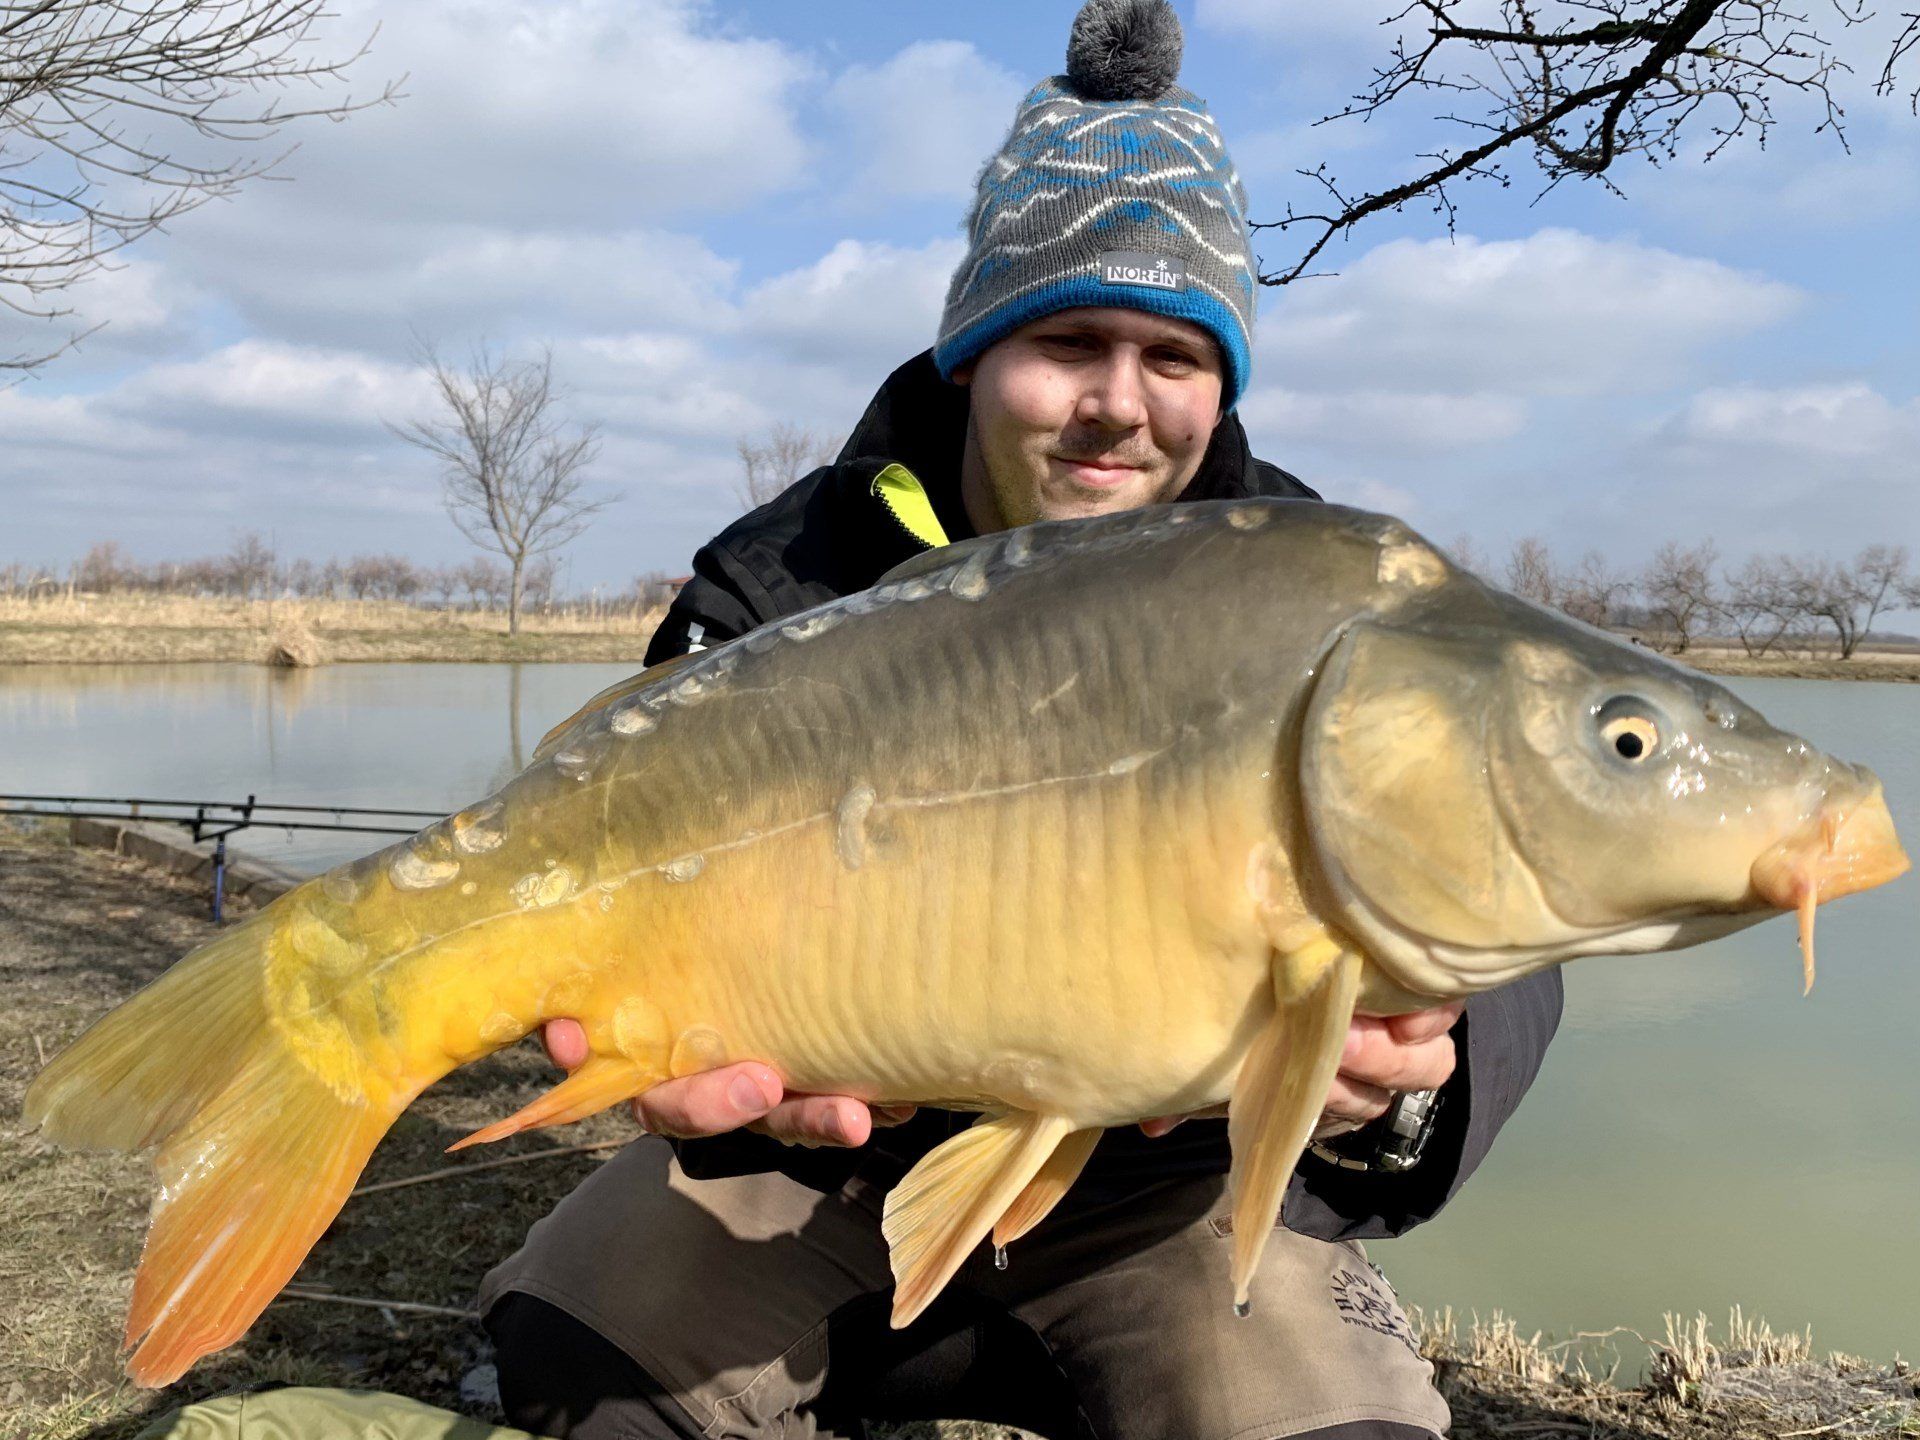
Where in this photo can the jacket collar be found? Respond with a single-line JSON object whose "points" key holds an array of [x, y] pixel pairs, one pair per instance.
{"points": [[920, 421]]}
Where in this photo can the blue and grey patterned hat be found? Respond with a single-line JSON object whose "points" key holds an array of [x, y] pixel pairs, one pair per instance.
{"points": [[1113, 188]]}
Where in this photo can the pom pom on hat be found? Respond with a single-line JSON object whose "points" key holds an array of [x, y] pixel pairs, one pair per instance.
{"points": [[1124, 50]]}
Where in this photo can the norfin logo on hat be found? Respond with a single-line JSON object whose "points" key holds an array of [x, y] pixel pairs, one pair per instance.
{"points": [[1140, 267]]}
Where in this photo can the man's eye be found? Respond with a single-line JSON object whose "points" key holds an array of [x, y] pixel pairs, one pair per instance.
{"points": [[1067, 342], [1174, 360]]}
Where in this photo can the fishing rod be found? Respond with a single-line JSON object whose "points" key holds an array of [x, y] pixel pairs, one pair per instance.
{"points": [[213, 820]]}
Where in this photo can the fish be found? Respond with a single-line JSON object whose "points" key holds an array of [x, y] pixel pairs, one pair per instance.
{"points": [[1067, 826]]}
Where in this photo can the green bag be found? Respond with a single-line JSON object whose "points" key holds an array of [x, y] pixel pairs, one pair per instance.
{"points": [[301, 1412]]}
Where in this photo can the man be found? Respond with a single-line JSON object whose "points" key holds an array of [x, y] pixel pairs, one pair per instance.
{"points": [[1095, 340]]}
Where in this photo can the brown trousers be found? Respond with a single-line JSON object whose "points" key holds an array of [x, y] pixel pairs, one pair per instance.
{"points": [[755, 1307]]}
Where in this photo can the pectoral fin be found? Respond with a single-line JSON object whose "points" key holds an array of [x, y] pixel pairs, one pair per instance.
{"points": [[602, 1082], [950, 1200], [1281, 1090], [1043, 1192]]}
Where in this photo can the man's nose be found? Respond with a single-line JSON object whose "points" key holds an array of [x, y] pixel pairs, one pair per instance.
{"points": [[1114, 397]]}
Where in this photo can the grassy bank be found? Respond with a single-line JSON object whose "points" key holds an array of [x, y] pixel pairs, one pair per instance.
{"points": [[142, 629], [1897, 666], [148, 629], [382, 1302]]}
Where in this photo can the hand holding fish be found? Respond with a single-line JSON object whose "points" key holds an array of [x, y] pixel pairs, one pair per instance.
{"points": [[748, 1095], [1383, 1054]]}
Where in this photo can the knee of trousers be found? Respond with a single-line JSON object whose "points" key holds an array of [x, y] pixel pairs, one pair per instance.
{"points": [[560, 1377]]}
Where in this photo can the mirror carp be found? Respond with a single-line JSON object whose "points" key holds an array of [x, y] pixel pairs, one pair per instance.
{"points": [[1070, 826]]}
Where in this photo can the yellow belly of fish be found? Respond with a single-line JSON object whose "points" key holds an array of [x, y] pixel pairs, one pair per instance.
{"points": [[1058, 950]]}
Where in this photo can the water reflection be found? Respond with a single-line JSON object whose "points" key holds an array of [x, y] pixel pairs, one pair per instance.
{"points": [[427, 737]]}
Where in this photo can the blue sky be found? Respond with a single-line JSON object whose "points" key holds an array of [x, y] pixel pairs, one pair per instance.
{"points": [[723, 216]]}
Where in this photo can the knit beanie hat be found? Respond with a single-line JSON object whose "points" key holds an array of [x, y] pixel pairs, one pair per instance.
{"points": [[1113, 188]]}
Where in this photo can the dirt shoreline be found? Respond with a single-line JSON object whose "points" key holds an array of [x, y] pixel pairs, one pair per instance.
{"points": [[82, 929]]}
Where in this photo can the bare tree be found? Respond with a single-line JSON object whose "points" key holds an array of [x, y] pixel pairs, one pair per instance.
{"points": [[1910, 591], [772, 466], [1594, 591], [1463, 550], [105, 567], [1850, 597], [1530, 571], [1766, 602], [512, 472], [484, 582], [249, 565], [106, 111], [654, 588], [1680, 589], [1578, 86]]}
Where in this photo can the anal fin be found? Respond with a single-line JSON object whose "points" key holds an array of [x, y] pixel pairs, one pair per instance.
{"points": [[601, 1082], [949, 1201], [1282, 1089], [1044, 1191]]}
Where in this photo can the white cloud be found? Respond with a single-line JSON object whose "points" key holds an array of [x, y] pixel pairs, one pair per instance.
{"points": [[927, 119], [662, 385], [1381, 421], [861, 303], [539, 173], [1846, 423], [265, 383], [370, 286], [1827, 467], [567, 112], [1556, 313]]}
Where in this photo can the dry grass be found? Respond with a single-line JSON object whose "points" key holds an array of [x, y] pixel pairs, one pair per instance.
{"points": [[1896, 666], [292, 646], [1753, 1384], [133, 629], [196, 613]]}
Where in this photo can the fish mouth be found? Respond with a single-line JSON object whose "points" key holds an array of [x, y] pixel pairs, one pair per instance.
{"points": [[1846, 847]]}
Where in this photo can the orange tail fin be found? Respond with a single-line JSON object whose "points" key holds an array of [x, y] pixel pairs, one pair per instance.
{"points": [[257, 1153]]}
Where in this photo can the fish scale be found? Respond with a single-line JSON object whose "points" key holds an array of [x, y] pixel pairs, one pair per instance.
{"points": [[1075, 825]]}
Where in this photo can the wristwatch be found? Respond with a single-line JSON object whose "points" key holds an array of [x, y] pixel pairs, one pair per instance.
{"points": [[1392, 1143]]}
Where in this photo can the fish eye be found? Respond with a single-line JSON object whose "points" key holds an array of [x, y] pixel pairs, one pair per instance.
{"points": [[1627, 730]]}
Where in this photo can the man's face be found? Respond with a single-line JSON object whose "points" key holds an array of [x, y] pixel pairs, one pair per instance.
{"points": [[1086, 412]]}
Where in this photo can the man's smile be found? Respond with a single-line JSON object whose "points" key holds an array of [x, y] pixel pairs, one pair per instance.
{"points": [[1099, 472]]}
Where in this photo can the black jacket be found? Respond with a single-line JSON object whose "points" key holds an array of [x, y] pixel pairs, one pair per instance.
{"points": [[829, 536]]}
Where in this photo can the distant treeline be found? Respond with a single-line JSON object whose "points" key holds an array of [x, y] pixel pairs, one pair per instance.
{"points": [[250, 570], [1771, 604]]}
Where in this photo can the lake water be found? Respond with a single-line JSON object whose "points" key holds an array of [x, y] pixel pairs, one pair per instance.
{"points": [[1701, 1135]]}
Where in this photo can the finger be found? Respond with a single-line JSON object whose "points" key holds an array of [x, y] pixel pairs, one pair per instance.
{"points": [[1425, 1024], [813, 1120], [885, 1117], [1160, 1125], [1355, 1101], [566, 1042], [710, 1103], [1383, 1061]]}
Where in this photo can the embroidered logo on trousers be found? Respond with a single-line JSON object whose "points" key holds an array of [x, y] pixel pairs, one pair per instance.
{"points": [[1363, 1300]]}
